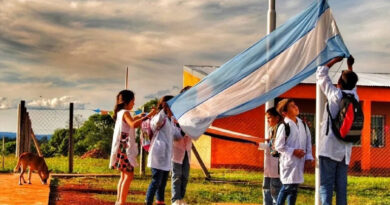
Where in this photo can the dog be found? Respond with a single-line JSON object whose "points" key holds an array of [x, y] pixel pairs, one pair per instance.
{"points": [[34, 162]]}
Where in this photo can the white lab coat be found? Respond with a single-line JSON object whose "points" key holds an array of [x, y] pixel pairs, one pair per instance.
{"points": [[330, 146], [160, 154], [132, 145], [270, 163], [291, 167]]}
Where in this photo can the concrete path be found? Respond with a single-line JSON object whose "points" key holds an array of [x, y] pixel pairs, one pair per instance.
{"points": [[11, 193]]}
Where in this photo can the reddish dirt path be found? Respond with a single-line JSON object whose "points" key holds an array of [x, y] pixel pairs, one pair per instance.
{"points": [[11, 193]]}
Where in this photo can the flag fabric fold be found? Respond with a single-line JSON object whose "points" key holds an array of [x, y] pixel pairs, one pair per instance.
{"points": [[267, 69]]}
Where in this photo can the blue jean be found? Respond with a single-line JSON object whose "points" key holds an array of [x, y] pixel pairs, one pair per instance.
{"points": [[289, 192], [180, 174], [333, 178], [157, 185], [271, 188]]}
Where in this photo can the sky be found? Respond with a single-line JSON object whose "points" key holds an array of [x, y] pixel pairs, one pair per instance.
{"points": [[60, 51]]}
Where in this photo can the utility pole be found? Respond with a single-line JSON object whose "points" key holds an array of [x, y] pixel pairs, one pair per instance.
{"points": [[127, 79]]}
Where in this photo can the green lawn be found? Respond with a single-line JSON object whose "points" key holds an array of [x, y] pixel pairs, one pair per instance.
{"points": [[361, 190]]}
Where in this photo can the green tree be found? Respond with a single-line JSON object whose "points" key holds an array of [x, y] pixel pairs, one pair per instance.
{"points": [[95, 133]]}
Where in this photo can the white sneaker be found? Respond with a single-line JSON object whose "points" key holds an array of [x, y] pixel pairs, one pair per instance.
{"points": [[183, 202], [177, 202]]}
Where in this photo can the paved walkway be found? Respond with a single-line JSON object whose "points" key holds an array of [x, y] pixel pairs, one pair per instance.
{"points": [[11, 193]]}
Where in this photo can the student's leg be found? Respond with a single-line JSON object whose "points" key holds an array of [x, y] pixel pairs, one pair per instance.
{"points": [[327, 179], [267, 198], [176, 181], [282, 195], [341, 183], [292, 190], [276, 184], [119, 189], [154, 184], [186, 175], [128, 177], [161, 189]]}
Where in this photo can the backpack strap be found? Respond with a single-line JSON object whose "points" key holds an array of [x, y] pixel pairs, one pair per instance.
{"points": [[329, 118]]}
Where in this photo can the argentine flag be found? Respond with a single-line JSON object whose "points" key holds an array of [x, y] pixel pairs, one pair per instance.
{"points": [[262, 72]]}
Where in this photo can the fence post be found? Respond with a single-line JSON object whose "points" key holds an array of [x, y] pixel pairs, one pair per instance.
{"points": [[20, 129], [27, 128], [3, 150], [70, 155]]}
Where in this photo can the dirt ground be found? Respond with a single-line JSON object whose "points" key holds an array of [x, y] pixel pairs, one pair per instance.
{"points": [[11, 193]]}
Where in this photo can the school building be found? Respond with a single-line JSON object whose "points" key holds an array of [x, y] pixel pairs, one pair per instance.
{"points": [[368, 156]]}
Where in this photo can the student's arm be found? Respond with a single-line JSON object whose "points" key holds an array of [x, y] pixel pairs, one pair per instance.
{"points": [[280, 142], [324, 80], [308, 155], [136, 122]]}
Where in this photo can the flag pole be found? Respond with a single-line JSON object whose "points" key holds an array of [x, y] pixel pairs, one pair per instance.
{"points": [[320, 107], [127, 78], [271, 25]]}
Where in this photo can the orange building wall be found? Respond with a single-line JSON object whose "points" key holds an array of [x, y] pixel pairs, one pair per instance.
{"points": [[380, 156]]}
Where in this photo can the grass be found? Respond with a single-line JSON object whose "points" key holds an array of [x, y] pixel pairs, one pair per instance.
{"points": [[361, 190]]}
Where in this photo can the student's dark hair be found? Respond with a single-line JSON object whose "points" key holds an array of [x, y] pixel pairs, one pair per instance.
{"points": [[273, 112], [185, 89], [282, 105], [348, 80], [163, 100], [123, 98]]}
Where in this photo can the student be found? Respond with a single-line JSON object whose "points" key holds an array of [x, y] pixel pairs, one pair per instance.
{"points": [[271, 181], [180, 166], [334, 154], [160, 154], [295, 151], [124, 149]]}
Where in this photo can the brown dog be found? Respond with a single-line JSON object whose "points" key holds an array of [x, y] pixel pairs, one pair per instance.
{"points": [[34, 162]]}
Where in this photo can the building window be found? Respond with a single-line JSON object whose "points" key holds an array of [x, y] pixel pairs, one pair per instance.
{"points": [[309, 119], [377, 130]]}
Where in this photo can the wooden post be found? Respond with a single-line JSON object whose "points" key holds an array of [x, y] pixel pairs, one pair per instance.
{"points": [[20, 129], [27, 137], [204, 169], [70, 155], [36, 143], [142, 157]]}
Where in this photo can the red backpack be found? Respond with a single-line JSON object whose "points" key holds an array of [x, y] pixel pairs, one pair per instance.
{"points": [[348, 124]]}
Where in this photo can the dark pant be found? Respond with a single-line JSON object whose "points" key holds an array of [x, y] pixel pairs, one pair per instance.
{"points": [[157, 185], [180, 174], [271, 188], [289, 192], [333, 177]]}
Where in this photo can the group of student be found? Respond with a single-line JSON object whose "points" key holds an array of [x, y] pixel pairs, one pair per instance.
{"points": [[288, 149], [170, 150]]}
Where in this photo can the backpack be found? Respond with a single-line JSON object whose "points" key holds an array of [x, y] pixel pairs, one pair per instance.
{"points": [[147, 133], [348, 124], [273, 152]]}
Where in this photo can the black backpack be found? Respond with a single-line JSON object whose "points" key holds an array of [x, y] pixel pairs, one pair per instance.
{"points": [[273, 152], [348, 124]]}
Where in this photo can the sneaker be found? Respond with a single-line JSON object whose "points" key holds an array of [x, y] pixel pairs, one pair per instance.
{"points": [[160, 202], [177, 202], [183, 202]]}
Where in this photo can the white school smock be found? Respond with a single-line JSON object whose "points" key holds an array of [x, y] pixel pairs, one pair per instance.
{"points": [[291, 167], [330, 146], [271, 164], [132, 145], [180, 147], [160, 154]]}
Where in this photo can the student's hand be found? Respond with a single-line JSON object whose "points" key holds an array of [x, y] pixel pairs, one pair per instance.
{"points": [[350, 62], [153, 112], [299, 153]]}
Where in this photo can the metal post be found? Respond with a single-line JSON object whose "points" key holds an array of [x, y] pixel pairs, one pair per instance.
{"points": [[70, 155], [127, 78], [320, 106], [270, 27], [3, 151]]}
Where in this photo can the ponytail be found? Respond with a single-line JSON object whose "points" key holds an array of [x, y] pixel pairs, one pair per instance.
{"points": [[123, 98]]}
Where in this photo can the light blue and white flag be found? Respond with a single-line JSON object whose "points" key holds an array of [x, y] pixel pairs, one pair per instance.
{"points": [[262, 72]]}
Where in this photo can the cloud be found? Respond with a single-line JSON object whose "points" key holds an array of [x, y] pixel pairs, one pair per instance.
{"points": [[5, 103], [173, 91], [55, 103]]}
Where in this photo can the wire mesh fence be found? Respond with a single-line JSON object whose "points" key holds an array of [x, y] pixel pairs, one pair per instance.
{"points": [[235, 166]]}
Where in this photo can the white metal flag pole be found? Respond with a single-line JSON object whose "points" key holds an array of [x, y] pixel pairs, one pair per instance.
{"points": [[320, 107], [270, 27]]}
